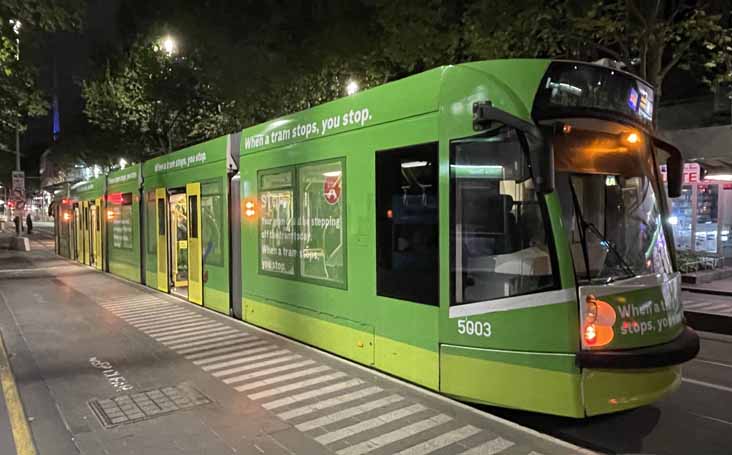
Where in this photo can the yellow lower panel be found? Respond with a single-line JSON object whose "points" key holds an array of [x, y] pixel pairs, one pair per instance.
{"points": [[314, 329], [414, 364], [607, 391]]}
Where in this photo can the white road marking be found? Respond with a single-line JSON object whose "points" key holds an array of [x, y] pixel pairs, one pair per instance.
{"points": [[260, 373], [441, 441], [329, 403], [196, 333], [289, 387], [145, 310], [199, 346], [129, 301], [237, 345], [175, 343], [490, 448], [719, 307], [396, 435], [719, 364], [348, 413], [193, 327], [365, 425], [248, 358], [129, 304], [708, 384], [296, 386], [239, 352], [154, 331], [170, 321], [156, 316], [312, 394]]}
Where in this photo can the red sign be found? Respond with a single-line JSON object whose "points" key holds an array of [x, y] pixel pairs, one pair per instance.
{"points": [[332, 189]]}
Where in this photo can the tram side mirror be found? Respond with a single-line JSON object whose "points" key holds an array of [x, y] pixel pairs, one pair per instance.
{"points": [[674, 175], [541, 151], [674, 167]]}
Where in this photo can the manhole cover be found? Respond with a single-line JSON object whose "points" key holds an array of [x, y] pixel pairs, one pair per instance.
{"points": [[145, 405]]}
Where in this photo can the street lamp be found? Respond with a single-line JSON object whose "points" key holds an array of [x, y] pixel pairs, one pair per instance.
{"points": [[352, 87], [168, 45], [122, 163]]}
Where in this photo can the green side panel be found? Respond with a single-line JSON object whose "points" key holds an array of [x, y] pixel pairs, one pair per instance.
{"points": [[546, 328], [607, 391], [559, 236], [346, 338], [548, 383], [125, 270], [216, 299], [192, 157]]}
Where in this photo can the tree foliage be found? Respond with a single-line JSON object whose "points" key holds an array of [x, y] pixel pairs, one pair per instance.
{"points": [[157, 102], [19, 93], [650, 38]]}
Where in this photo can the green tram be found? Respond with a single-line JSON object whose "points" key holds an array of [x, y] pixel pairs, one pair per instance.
{"points": [[495, 231]]}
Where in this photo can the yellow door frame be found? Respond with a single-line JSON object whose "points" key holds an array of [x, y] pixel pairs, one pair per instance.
{"points": [[92, 233], [161, 211], [195, 261], [98, 239]]}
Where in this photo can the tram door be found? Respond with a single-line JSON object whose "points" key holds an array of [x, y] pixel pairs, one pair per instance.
{"points": [[178, 240], [85, 231], [195, 264], [92, 233], [161, 213], [78, 238], [97, 227]]}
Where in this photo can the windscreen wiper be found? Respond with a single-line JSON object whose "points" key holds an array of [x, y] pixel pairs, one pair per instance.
{"points": [[605, 242]]}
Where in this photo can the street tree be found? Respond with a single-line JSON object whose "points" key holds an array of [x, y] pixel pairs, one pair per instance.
{"points": [[156, 100], [650, 38]]}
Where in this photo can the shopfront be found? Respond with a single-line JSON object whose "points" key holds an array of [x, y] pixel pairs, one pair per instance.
{"points": [[702, 216]]}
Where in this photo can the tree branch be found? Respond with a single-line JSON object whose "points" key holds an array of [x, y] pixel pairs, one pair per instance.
{"points": [[678, 55], [633, 8]]}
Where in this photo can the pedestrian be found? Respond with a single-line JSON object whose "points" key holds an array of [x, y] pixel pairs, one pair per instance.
{"points": [[16, 220], [29, 224]]}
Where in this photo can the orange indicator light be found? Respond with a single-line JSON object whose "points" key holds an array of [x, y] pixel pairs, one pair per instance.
{"points": [[389, 214], [67, 216], [250, 208], [110, 215]]}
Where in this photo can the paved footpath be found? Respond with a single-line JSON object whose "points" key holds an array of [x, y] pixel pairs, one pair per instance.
{"points": [[104, 366]]}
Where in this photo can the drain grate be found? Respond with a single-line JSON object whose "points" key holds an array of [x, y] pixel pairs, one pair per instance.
{"points": [[145, 405]]}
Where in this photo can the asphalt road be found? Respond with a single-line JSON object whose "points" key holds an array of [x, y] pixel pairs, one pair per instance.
{"points": [[696, 419]]}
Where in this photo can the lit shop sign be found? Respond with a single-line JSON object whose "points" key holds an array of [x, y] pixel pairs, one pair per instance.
{"points": [[692, 172]]}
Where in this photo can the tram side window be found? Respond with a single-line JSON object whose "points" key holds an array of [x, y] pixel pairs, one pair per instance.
{"points": [[152, 241], [498, 228], [302, 222], [161, 217], [121, 229], [212, 222], [193, 220], [407, 223]]}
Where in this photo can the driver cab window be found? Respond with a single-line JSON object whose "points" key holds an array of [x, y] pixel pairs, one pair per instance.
{"points": [[498, 226]]}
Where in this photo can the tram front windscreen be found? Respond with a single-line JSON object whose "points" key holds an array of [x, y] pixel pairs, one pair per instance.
{"points": [[610, 205]]}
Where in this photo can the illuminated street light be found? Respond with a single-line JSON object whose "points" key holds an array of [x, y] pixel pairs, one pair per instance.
{"points": [[352, 87], [168, 45], [122, 163]]}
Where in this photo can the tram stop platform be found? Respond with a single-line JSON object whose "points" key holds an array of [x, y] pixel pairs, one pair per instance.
{"points": [[104, 366]]}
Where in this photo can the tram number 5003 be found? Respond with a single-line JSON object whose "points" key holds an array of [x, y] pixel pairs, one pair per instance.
{"points": [[474, 328]]}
